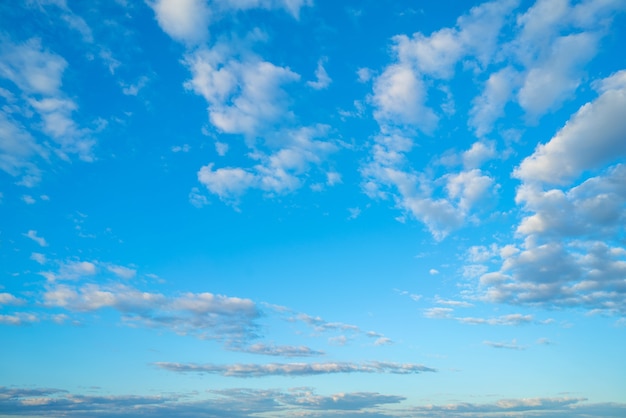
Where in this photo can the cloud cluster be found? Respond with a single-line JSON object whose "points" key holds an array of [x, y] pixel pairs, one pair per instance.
{"points": [[544, 50], [231, 403], [571, 252], [244, 402], [278, 172]]}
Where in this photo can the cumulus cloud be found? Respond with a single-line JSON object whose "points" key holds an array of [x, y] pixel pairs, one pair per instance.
{"points": [[399, 97], [296, 369], [184, 20], [548, 84], [388, 175], [590, 139], [245, 95], [277, 172], [9, 299], [571, 254]]}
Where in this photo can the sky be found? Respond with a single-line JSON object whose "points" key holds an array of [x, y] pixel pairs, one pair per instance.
{"points": [[310, 208]]}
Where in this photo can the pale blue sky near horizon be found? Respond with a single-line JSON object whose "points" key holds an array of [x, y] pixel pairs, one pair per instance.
{"points": [[276, 208]]}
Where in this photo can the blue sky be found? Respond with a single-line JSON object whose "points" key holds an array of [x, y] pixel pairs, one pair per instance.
{"points": [[273, 208]]}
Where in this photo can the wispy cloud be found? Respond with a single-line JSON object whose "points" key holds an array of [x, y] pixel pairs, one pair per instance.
{"points": [[32, 234]]}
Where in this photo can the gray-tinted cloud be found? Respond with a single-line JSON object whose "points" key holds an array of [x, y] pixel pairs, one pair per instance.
{"points": [[295, 369]]}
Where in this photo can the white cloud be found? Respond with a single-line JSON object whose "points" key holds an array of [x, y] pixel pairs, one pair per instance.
{"points": [[476, 33], [31, 68], [32, 234], [245, 96], [323, 80], [277, 172], [469, 188], [478, 153], [548, 84], [19, 318], [184, 20], [29, 200], [205, 315], [38, 257], [74, 270], [399, 97], [36, 76], [364, 75], [9, 299], [227, 183], [590, 139], [121, 271], [197, 199], [221, 148], [490, 105]]}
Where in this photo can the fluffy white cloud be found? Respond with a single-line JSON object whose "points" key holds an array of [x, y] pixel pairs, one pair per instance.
{"points": [[468, 188], [31, 68], [551, 43], [489, 106], [590, 139], [548, 84], [9, 299], [183, 20], [278, 172], [244, 96], [399, 97], [476, 33]]}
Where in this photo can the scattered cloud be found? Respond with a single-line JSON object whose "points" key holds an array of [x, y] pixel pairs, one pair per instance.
{"points": [[32, 234], [322, 79]]}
